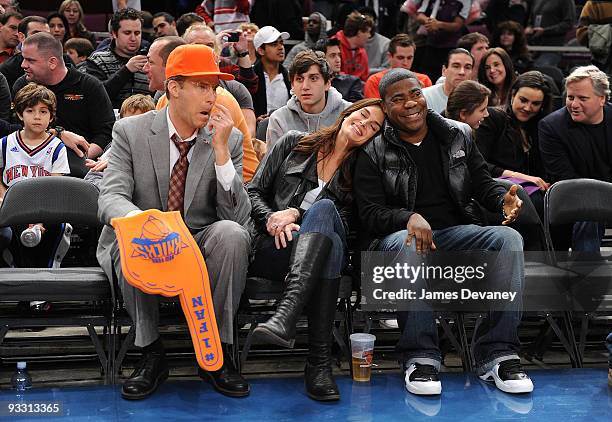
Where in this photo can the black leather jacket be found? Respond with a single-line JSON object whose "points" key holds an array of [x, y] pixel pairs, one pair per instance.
{"points": [[385, 181], [284, 177]]}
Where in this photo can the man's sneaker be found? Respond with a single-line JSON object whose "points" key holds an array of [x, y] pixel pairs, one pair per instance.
{"points": [[509, 377], [422, 379], [389, 323]]}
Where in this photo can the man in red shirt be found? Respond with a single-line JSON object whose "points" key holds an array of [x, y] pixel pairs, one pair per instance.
{"points": [[353, 39], [401, 54], [8, 34]]}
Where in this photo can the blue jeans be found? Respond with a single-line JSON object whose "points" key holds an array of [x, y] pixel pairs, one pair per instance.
{"points": [[5, 237], [496, 338], [587, 236], [321, 217], [609, 345]]}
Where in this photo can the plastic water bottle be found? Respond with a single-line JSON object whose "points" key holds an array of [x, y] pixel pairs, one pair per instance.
{"points": [[21, 380], [31, 237]]}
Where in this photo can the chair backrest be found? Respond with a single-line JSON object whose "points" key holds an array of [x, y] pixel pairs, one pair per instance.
{"points": [[262, 128], [50, 200], [573, 200]]}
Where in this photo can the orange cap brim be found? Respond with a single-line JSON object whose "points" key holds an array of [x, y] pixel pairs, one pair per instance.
{"points": [[221, 75]]}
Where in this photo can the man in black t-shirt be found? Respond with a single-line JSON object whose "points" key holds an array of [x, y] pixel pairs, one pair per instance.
{"points": [[83, 105], [576, 142], [413, 186]]}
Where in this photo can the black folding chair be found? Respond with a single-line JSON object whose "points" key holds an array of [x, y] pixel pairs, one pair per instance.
{"points": [[85, 291], [567, 202]]}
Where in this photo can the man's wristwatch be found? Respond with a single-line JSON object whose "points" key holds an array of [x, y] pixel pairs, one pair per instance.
{"points": [[243, 54], [58, 132]]}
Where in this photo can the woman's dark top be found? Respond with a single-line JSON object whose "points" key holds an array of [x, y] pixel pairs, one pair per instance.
{"points": [[500, 141], [285, 176]]}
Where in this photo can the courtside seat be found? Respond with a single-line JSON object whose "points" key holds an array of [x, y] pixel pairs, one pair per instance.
{"points": [[54, 284], [574, 200], [83, 294]]}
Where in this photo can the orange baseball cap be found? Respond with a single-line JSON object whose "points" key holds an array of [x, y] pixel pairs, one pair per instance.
{"points": [[194, 60]]}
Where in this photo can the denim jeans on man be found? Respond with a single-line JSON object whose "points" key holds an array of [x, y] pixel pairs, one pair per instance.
{"points": [[496, 338]]}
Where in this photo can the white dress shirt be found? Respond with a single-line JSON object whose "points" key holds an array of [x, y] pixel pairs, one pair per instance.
{"points": [[225, 173], [276, 92]]}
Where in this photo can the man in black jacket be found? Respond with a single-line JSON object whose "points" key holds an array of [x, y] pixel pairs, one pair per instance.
{"points": [[351, 87], [120, 66], [30, 25], [83, 106], [413, 187], [575, 142]]}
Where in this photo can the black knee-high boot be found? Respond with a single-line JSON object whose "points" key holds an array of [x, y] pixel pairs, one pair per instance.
{"points": [[318, 379], [308, 256]]}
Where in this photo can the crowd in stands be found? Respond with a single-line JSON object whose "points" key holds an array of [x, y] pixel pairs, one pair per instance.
{"points": [[299, 122]]}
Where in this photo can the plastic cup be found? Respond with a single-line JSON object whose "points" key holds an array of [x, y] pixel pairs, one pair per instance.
{"points": [[362, 350]]}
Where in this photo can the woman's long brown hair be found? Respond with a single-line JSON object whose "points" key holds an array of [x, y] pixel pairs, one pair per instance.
{"points": [[324, 139]]}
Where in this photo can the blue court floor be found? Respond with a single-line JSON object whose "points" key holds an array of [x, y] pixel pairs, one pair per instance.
{"points": [[560, 395]]}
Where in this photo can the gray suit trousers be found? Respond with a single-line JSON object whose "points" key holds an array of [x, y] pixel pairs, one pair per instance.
{"points": [[225, 246]]}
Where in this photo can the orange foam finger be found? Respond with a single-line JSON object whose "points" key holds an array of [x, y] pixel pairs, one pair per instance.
{"points": [[159, 256]]}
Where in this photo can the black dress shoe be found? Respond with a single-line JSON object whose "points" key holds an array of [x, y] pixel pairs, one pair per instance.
{"points": [[226, 380], [148, 375]]}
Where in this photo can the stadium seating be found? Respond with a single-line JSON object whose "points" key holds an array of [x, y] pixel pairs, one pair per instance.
{"points": [[83, 294]]}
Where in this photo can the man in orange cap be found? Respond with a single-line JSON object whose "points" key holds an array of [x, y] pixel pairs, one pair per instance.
{"points": [[185, 157]]}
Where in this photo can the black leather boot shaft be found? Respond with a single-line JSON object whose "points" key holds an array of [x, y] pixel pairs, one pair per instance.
{"points": [[308, 256], [318, 379]]}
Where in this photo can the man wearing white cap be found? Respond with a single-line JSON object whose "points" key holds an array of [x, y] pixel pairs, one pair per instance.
{"points": [[274, 83]]}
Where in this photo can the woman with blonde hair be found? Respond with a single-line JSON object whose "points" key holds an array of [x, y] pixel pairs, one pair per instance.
{"points": [[73, 11]]}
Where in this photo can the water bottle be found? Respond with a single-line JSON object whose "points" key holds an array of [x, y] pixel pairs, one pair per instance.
{"points": [[31, 237], [21, 380]]}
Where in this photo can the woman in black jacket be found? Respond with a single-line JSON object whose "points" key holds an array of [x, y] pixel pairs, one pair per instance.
{"points": [[301, 198], [508, 138]]}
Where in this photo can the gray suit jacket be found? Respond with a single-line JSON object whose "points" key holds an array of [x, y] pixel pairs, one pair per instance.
{"points": [[138, 174]]}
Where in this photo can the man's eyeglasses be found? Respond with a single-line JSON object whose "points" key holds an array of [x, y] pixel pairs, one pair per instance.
{"points": [[204, 87]]}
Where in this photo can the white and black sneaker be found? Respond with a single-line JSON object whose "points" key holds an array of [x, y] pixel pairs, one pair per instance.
{"points": [[422, 379], [509, 377]]}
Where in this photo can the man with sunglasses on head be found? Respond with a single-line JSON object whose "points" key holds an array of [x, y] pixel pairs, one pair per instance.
{"points": [[185, 157]]}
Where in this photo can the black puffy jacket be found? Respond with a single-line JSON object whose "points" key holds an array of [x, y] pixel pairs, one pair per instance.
{"points": [[385, 181]]}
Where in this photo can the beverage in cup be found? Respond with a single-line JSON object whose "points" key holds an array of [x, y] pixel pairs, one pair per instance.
{"points": [[362, 350]]}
